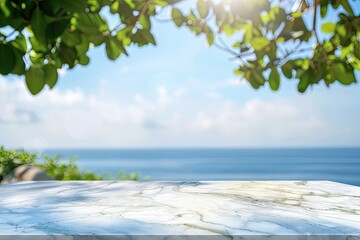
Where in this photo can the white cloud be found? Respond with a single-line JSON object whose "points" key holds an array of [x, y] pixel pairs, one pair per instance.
{"points": [[168, 118], [10, 114], [163, 98], [264, 123]]}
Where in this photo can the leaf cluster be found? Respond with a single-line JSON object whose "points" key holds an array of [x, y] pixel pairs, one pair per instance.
{"points": [[48, 35], [273, 40], [276, 41]]}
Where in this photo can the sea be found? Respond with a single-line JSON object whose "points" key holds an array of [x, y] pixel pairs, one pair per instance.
{"points": [[332, 164]]}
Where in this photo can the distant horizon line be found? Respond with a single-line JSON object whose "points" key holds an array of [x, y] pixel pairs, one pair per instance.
{"points": [[187, 148]]}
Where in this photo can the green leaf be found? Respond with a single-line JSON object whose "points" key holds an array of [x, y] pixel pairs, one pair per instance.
{"points": [[304, 82], [145, 22], [57, 61], [50, 8], [126, 13], [328, 46], [97, 39], [210, 37], [35, 80], [300, 30], [271, 52], [120, 45], [229, 30], [329, 76], [287, 69], [328, 27], [203, 8], [315, 73], [114, 8], [274, 79], [323, 9], [160, 2], [236, 45], [249, 76], [258, 77], [248, 32], [56, 28], [277, 17], [37, 45], [51, 75], [68, 55], [356, 64], [71, 38], [255, 78], [142, 37], [347, 7], [7, 59], [132, 4], [357, 49], [36, 58], [296, 29], [259, 43], [83, 47], [84, 60], [177, 17], [296, 14], [73, 5], [265, 18], [20, 43], [341, 30], [171, 2], [85, 25], [356, 23], [91, 23], [38, 24], [335, 3], [19, 67], [113, 48], [344, 73]]}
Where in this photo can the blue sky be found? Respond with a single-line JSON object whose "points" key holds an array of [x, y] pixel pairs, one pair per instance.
{"points": [[180, 93]]}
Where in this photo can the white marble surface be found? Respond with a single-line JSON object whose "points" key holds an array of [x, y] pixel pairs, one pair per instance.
{"points": [[229, 210]]}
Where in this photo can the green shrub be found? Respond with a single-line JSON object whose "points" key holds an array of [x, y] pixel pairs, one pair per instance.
{"points": [[54, 166], [9, 160]]}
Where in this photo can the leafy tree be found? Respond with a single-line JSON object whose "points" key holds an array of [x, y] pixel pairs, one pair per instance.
{"points": [[274, 37]]}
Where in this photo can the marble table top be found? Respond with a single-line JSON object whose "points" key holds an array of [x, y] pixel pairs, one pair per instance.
{"points": [[179, 210]]}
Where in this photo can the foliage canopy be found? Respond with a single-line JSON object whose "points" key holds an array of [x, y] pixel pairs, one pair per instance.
{"points": [[275, 39]]}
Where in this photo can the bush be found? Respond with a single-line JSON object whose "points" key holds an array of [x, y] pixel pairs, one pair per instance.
{"points": [[53, 166], [9, 160]]}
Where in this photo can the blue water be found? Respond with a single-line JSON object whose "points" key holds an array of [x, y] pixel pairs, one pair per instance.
{"points": [[335, 164]]}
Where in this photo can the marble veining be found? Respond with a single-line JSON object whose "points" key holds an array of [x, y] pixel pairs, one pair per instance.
{"points": [[187, 210]]}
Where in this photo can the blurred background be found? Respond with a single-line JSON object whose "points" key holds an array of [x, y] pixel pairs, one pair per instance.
{"points": [[176, 111]]}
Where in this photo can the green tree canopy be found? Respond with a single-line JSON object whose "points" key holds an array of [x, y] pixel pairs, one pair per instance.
{"points": [[274, 39]]}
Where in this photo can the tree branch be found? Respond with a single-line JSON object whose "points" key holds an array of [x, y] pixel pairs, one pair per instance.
{"points": [[314, 21], [141, 13]]}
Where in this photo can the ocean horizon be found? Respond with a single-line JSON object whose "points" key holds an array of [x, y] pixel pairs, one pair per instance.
{"points": [[193, 164]]}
